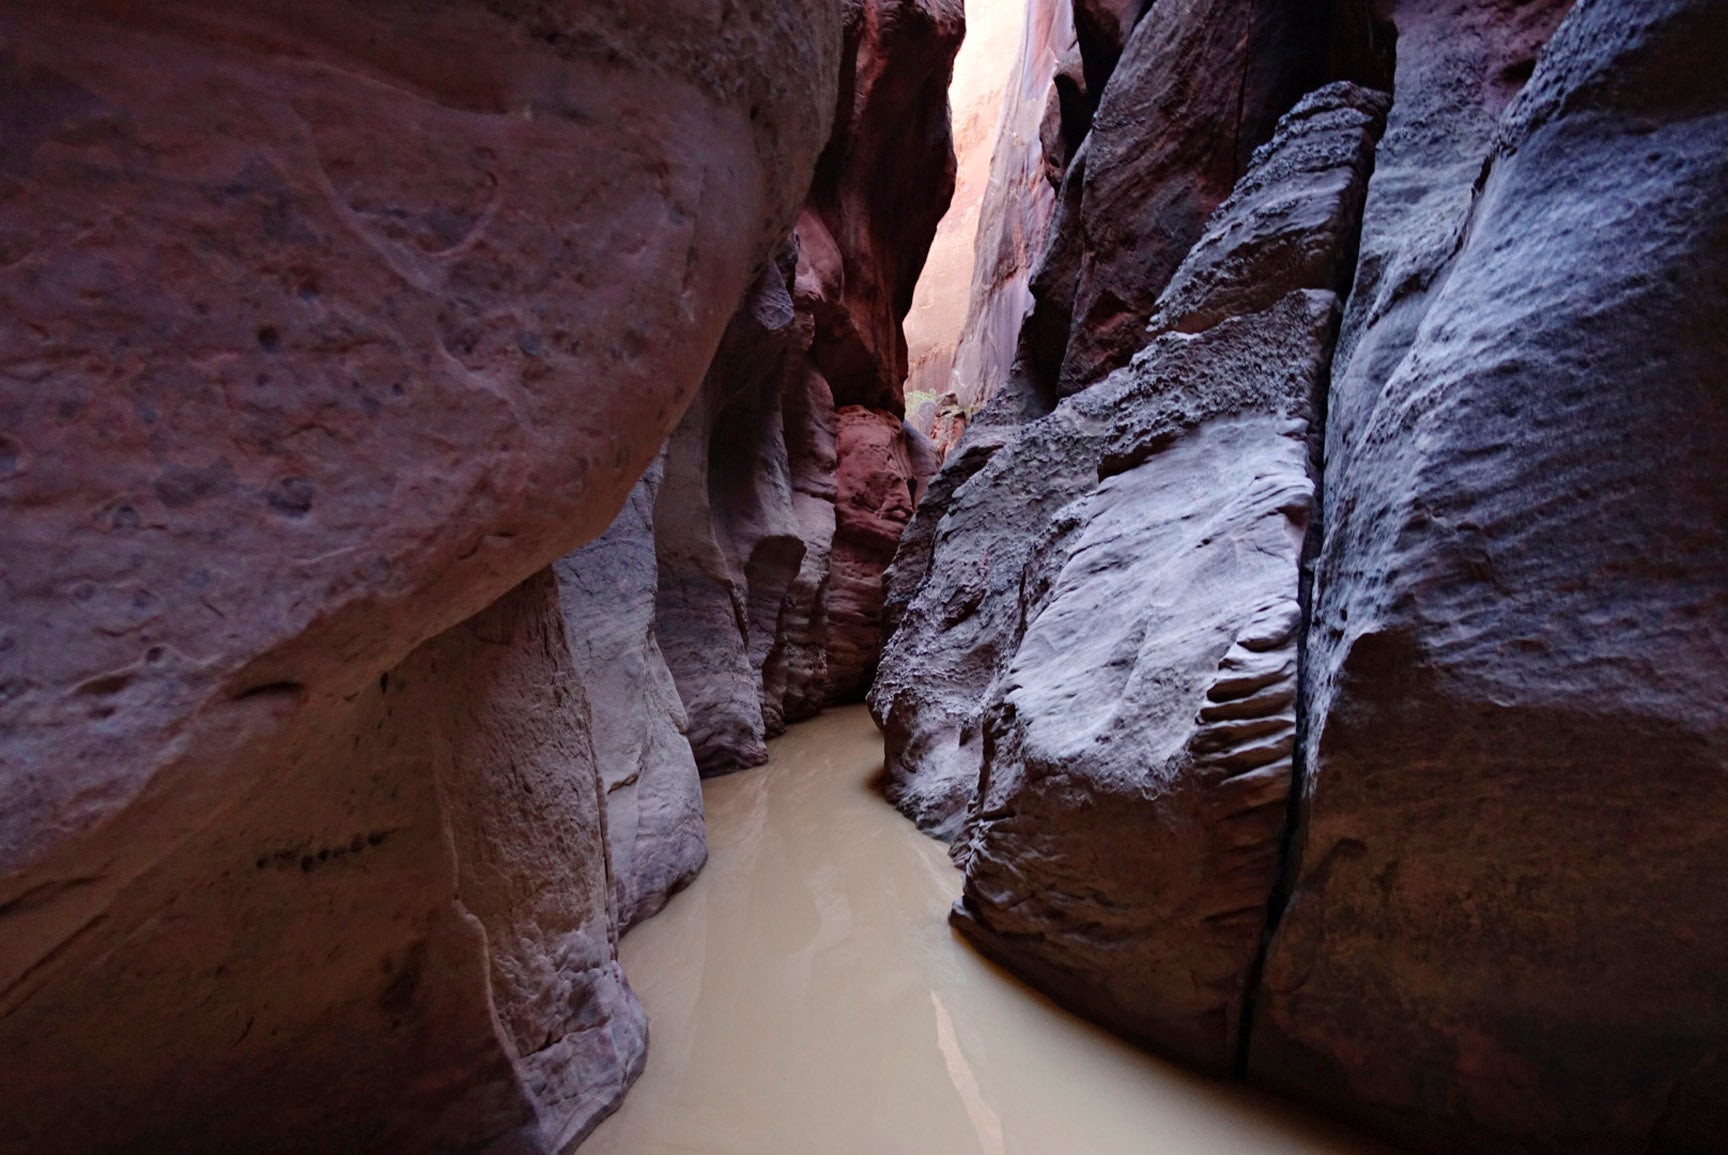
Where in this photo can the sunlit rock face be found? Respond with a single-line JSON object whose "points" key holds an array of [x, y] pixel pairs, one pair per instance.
{"points": [[1013, 220], [1504, 933], [312, 355], [983, 70]]}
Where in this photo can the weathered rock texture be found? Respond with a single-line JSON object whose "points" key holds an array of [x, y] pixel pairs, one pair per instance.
{"points": [[1492, 924], [1505, 932], [309, 357], [790, 478], [1198, 87], [729, 541], [1137, 746], [883, 467], [881, 189], [1177, 122], [606, 591]]}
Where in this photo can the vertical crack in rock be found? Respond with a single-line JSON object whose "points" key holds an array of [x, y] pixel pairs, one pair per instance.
{"points": [[1501, 935], [1141, 610], [1145, 176]]}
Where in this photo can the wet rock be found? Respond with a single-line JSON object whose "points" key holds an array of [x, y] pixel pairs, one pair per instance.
{"points": [[313, 355], [606, 592], [1504, 932]]}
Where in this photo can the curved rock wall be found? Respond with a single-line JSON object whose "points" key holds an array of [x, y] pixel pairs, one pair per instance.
{"points": [[312, 355], [1410, 808], [1504, 932], [976, 97], [1137, 744], [790, 477]]}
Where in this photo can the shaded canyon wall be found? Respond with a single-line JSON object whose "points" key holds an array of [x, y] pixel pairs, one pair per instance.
{"points": [[1312, 649], [396, 401]]}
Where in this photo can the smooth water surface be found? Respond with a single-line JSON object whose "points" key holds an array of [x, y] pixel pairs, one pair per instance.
{"points": [[807, 997]]}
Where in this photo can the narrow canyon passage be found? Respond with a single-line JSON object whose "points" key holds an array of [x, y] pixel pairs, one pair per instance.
{"points": [[806, 995]]}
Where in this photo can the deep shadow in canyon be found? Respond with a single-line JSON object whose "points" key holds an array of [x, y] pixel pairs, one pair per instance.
{"points": [[438, 436]]}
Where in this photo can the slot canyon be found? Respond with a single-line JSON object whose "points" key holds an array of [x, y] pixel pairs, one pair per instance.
{"points": [[752, 577]]}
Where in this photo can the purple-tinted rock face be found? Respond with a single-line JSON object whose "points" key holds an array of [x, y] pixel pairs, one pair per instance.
{"points": [[1504, 932], [1410, 809], [325, 328], [790, 478], [432, 435], [1137, 741]]}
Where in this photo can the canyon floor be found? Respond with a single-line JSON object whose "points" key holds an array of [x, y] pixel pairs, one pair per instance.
{"points": [[806, 994]]}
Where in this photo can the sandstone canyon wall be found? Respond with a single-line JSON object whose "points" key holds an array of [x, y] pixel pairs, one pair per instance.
{"points": [[788, 481], [1314, 647], [329, 329], [976, 99], [1013, 217]]}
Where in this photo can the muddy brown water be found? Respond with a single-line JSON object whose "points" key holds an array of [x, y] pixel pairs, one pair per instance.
{"points": [[807, 997]]}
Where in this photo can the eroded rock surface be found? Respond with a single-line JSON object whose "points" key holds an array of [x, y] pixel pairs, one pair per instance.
{"points": [[1013, 222], [373, 915], [881, 476], [882, 187], [977, 96], [1505, 934], [729, 540], [1496, 928], [1199, 85], [606, 592], [1130, 819], [792, 476], [310, 357]]}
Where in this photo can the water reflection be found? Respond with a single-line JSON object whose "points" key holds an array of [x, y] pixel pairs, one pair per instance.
{"points": [[807, 998]]}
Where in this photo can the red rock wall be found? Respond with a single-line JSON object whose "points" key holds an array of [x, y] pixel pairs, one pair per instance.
{"points": [[325, 327], [790, 478]]}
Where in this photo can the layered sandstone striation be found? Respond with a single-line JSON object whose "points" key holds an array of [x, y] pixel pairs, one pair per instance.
{"points": [[312, 356], [1504, 932], [1389, 776], [1129, 822]]}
